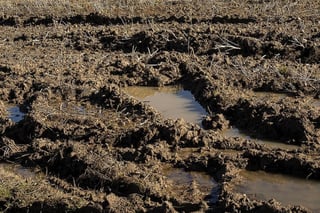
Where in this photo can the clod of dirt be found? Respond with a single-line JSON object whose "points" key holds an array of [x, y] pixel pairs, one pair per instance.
{"points": [[5, 122], [216, 122]]}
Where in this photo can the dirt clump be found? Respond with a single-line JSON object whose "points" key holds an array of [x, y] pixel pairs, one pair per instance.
{"points": [[215, 122]]}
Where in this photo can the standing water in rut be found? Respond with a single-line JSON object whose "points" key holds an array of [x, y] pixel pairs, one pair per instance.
{"points": [[172, 101], [235, 132], [185, 181], [285, 189], [15, 114]]}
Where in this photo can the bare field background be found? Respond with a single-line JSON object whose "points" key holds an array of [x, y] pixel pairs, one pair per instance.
{"points": [[260, 8]]}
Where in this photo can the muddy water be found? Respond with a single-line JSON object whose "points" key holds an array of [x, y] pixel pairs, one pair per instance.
{"points": [[172, 101], [235, 132], [15, 114], [183, 182], [287, 190]]}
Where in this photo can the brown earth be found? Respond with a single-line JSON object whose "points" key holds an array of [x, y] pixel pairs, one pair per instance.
{"points": [[97, 149]]}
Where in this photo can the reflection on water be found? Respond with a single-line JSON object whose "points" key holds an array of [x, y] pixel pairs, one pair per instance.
{"points": [[172, 102], [141, 92], [182, 181], [285, 189], [235, 132], [15, 114]]}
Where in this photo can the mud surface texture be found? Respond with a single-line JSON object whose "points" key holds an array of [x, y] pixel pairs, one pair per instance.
{"points": [[88, 146]]}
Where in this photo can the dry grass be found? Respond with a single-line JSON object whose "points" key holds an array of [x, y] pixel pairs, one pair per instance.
{"points": [[26, 190], [259, 8], [72, 7], [3, 110]]}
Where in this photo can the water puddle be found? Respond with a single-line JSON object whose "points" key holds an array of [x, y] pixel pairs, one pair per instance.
{"points": [[172, 101], [183, 181], [235, 132], [15, 114], [285, 189]]}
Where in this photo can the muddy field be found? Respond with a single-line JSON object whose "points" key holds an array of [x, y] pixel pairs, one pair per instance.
{"points": [[74, 140]]}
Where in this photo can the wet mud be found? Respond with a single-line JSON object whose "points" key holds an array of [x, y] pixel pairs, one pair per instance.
{"points": [[73, 138]]}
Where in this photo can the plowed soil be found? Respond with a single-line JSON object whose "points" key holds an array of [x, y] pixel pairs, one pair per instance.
{"points": [[91, 147]]}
